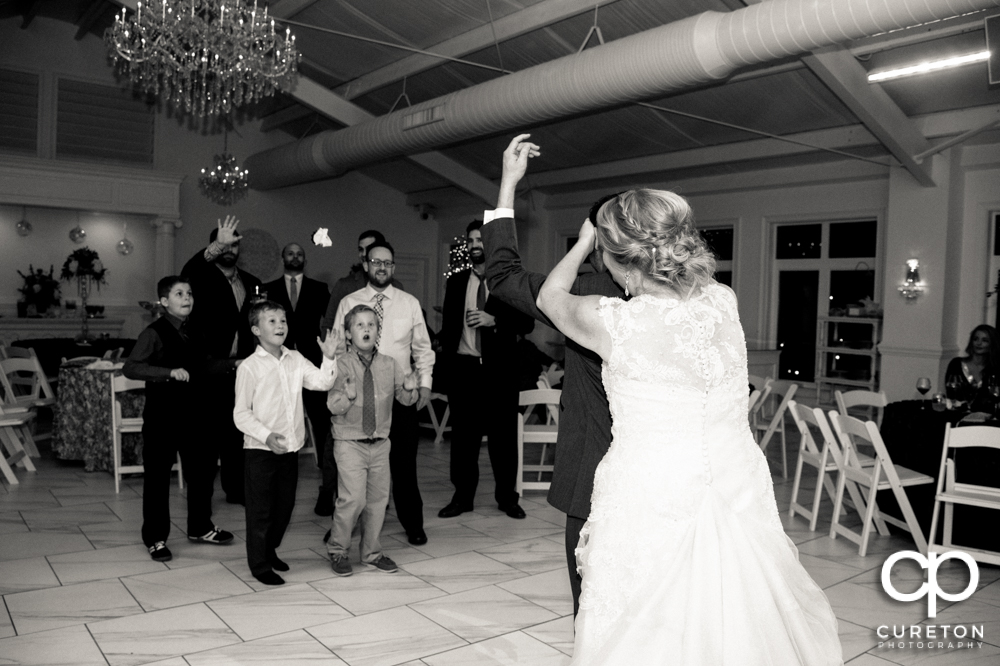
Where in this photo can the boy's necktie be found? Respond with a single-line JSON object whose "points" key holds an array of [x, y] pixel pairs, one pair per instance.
{"points": [[368, 398], [379, 311], [294, 297]]}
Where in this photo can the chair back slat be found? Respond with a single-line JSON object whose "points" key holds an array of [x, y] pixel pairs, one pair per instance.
{"points": [[970, 436], [875, 401], [547, 396]]}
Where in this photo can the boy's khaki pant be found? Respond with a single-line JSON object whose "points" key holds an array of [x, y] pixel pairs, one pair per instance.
{"points": [[363, 480]]}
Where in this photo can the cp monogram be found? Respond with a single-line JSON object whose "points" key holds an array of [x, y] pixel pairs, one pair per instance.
{"points": [[930, 589]]}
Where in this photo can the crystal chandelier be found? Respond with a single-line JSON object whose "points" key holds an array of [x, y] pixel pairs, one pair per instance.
{"points": [[226, 183], [207, 56]]}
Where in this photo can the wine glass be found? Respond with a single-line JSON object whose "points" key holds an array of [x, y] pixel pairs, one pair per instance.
{"points": [[923, 385]]}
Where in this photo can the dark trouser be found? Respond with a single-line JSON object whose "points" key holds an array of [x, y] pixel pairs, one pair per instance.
{"points": [[314, 405], [221, 431], [404, 434], [482, 402], [270, 490], [573, 527], [160, 446]]}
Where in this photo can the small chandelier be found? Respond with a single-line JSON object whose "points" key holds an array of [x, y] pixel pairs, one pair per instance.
{"points": [[207, 56], [226, 183]]}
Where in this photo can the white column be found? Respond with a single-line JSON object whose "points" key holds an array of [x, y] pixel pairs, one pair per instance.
{"points": [[164, 251]]}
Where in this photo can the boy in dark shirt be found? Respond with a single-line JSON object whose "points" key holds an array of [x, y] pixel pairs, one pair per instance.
{"points": [[173, 363]]}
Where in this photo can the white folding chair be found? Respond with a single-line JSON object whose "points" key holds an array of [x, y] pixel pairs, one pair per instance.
{"points": [[121, 425], [113, 355], [22, 352], [950, 492], [440, 427], [756, 404], [311, 445], [823, 459], [872, 401], [787, 390], [25, 386], [13, 429], [883, 475], [544, 434]]}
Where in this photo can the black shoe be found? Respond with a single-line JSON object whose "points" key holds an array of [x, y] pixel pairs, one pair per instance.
{"points": [[324, 503], [278, 565], [453, 509], [270, 578], [217, 536], [416, 538], [159, 552], [513, 510]]}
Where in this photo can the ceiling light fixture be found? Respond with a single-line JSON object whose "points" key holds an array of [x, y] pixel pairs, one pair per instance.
{"points": [[226, 183], [207, 56], [928, 66]]}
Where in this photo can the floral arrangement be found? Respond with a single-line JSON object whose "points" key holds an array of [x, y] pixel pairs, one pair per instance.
{"points": [[82, 263], [40, 289]]}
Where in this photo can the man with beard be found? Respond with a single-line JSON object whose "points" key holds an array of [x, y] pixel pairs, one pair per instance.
{"points": [[355, 279], [305, 301], [479, 336], [402, 334], [223, 296]]}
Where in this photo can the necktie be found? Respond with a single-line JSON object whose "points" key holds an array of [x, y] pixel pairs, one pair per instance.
{"points": [[480, 303], [380, 312], [368, 398], [295, 293]]}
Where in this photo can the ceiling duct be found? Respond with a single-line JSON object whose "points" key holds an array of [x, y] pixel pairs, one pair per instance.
{"points": [[645, 65]]}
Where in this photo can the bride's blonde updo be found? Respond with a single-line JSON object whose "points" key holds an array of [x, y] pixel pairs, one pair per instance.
{"points": [[652, 231]]}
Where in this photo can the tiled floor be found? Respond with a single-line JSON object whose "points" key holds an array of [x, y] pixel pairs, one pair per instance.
{"points": [[79, 588]]}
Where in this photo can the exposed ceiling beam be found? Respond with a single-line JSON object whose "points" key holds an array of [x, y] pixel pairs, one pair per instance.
{"points": [[335, 107], [513, 25], [934, 125], [848, 80], [89, 17]]}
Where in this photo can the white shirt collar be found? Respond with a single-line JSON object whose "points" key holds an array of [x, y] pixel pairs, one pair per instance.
{"points": [[260, 351], [370, 292]]}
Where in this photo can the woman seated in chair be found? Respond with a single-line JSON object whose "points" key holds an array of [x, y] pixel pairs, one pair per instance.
{"points": [[972, 378]]}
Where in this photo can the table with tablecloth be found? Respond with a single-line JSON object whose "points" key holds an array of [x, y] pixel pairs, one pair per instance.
{"points": [[914, 437], [51, 351], [81, 427]]}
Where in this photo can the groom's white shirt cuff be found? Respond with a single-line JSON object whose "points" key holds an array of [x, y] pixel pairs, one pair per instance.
{"points": [[490, 215]]}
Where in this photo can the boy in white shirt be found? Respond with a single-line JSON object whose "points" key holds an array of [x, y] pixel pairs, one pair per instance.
{"points": [[269, 412]]}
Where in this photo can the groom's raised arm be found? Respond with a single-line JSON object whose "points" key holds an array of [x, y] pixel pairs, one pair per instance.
{"points": [[505, 275]]}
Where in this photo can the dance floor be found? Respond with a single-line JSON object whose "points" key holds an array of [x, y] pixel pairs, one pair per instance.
{"points": [[79, 588]]}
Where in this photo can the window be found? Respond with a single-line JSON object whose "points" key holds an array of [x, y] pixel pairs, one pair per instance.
{"points": [[819, 269], [19, 112], [103, 123], [720, 240]]}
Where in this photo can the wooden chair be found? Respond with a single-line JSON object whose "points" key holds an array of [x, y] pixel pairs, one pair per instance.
{"points": [[25, 386], [121, 425], [874, 402], [29, 352], [950, 492], [765, 432], [883, 475], [311, 446], [440, 427], [544, 434], [823, 459], [756, 405], [13, 428]]}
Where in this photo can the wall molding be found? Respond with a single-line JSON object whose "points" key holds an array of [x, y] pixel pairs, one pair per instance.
{"points": [[43, 183]]}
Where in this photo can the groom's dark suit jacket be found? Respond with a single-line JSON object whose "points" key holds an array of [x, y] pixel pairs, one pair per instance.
{"points": [[585, 422], [304, 320]]}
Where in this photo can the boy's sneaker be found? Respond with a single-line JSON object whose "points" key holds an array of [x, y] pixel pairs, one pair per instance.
{"points": [[215, 535], [160, 553], [384, 564], [341, 565]]}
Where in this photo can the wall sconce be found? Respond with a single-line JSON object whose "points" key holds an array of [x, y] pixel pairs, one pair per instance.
{"points": [[912, 286], [23, 227]]}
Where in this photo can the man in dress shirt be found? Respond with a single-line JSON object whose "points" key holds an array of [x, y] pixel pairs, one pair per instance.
{"points": [[403, 333], [223, 294], [585, 424], [479, 335], [355, 279], [305, 301]]}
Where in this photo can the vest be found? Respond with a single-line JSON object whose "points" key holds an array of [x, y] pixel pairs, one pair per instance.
{"points": [[172, 400]]}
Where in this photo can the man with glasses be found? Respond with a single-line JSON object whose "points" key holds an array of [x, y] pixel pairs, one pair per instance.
{"points": [[402, 335], [355, 279]]}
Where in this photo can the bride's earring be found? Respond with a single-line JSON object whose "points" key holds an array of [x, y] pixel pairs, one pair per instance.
{"points": [[626, 283]]}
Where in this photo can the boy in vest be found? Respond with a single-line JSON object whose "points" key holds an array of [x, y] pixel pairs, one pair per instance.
{"points": [[269, 413], [173, 363], [361, 405]]}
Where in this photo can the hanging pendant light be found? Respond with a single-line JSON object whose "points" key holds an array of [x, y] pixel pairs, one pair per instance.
{"points": [[125, 246]]}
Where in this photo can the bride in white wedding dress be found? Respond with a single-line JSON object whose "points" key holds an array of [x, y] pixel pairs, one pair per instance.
{"points": [[684, 560]]}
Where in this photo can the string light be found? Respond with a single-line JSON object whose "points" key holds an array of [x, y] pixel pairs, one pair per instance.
{"points": [[458, 257]]}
